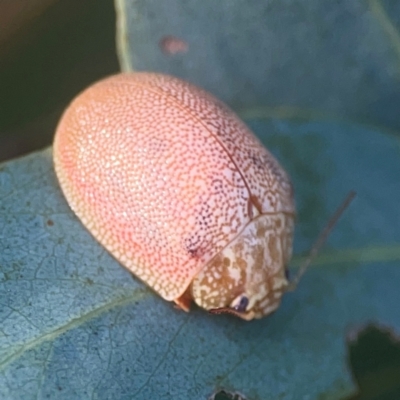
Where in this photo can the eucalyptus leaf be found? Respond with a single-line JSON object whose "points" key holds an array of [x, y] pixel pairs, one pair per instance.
{"points": [[306, 57], [74, 324]]}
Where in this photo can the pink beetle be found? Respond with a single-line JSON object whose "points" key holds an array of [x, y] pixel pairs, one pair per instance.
{"points": [[180, 191]]}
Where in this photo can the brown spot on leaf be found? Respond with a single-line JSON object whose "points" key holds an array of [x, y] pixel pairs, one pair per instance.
{"points": [[172, 45]]}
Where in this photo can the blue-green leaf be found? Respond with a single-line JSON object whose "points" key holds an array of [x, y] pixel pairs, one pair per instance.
{"points": [[340, 57], [74, 324]]}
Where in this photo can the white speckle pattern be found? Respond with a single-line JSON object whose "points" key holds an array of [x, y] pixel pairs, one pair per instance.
{"points": [[162, 173]]}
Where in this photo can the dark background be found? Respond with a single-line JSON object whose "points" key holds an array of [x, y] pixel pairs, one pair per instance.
{"points": [[49, 51]]}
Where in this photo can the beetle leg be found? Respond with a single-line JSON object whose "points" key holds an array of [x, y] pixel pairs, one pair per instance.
{"points": [[228, 310], [184, 301]]}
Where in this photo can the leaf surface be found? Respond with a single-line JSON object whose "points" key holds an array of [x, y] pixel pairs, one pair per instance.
{"points": [[330, 57], [74, 324]]}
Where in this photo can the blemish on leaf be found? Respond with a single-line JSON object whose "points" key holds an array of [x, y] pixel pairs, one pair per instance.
{"points": [[172, 45], [225, 395]]}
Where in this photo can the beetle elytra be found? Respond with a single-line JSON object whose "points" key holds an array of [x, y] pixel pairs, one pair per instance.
{"points": [[177, 188]]}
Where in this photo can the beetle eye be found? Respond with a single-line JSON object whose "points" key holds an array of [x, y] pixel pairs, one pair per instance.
{"points": [[242, 305]]}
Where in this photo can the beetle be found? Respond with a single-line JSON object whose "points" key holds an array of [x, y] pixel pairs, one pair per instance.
{"points": [[179, 190]]}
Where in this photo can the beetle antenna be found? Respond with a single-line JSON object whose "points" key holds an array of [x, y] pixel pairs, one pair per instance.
{"points": [[321, 240]]}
